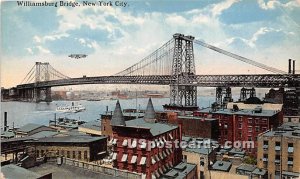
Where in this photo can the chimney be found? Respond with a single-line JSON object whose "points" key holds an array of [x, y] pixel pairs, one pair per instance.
{"points": [[290, 66], [106, 109], [293, 67], [5, 121]]}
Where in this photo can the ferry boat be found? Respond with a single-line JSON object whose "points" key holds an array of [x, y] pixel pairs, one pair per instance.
{"points": [[72, 108]]}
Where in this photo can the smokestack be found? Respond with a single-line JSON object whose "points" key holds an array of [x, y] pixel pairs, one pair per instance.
{"points": [[293, 67], [106, 108], [5, 121], [290, 66]]}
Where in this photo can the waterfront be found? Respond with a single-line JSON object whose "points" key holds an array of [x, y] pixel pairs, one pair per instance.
{"points": [[22, 113]]}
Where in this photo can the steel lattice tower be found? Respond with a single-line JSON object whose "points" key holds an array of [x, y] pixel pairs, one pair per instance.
{"points": [[183, 68]]}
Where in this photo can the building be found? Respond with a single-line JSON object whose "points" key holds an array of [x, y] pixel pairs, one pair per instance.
{"points": [[244, 122], [278, 151], [80, 147], [30, 129], [293, 119], [198, 126], [14, 171], [251, 171], [202, 156], [143, 145], [180, 171], [92, 128]]}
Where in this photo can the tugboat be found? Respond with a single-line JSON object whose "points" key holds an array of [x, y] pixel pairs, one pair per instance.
{"points": [[73, 109]]}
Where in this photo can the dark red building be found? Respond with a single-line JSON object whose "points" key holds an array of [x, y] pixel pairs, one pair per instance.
{"points": [[243, 122], [137, 144]]}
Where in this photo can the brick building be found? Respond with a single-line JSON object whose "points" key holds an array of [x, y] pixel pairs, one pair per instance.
{"points": [[197, 126], [278, 152], [106, 128], [80, 147], [244, 122], [132, 150]]}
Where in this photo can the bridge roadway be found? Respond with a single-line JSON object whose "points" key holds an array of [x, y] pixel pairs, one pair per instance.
{"points": [[257, 80]]}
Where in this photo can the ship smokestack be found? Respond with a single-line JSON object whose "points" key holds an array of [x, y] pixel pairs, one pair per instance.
{"points": [[290, 66], [293, 67], [5, 121]]}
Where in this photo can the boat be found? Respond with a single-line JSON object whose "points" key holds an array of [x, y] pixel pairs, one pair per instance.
{"points": [[72, 108]]}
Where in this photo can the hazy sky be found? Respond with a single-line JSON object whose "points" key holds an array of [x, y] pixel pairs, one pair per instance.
{"points": [[117, 37]]}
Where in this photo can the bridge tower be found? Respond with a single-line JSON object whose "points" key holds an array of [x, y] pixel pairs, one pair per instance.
{"points": [[41, 74], [183, 97]]}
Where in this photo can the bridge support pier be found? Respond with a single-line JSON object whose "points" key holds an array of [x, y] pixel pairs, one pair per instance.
{"points": [[247, 93], [223, 101], [40, 92]]}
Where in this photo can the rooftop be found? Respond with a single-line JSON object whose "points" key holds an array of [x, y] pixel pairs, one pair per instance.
{"points": [[222, 166], [259, 171], [180, 171], [13, 171], [29, 127], [69, 139], [155, 128], [94, 125], [197, 118], [244, 112], [246, 167], [285, 130], [43, 134]]}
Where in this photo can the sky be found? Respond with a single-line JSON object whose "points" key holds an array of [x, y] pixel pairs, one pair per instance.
{"points": [[115, 38]]}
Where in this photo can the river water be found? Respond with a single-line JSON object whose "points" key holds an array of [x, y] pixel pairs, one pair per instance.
{"points": [[22, 113]]}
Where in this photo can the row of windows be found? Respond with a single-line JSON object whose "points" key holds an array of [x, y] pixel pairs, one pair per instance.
{"points": [[68, 154]]}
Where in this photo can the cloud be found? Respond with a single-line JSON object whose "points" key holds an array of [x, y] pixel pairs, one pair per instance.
{"points": [[29, 50], [220, 7], [42, 49], [272, 4]]}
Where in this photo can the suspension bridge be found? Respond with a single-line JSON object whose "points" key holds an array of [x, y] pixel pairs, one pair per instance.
{"points": [[172, 64]]}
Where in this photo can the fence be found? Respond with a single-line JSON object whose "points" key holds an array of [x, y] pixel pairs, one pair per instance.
{"points": [[101, 169]]}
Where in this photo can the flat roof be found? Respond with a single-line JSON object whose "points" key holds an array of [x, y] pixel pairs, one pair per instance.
{"points": [[246, 167], [155, 128], [69, 139], [244, 112], [14, 171], [259, 171], [286, 130], [94, 125], [29, 127], [42, 134], [222, 166], [196, 118], [180, 171]]}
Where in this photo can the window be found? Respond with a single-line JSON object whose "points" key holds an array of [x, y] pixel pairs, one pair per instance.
{"points": [[277, 146], [265, 158], [264, 121], [249, 138], [79, 155], [63, 153], [256, 128], [290, 147], [85, 155], [37, 153], [184, 158], [250, 121], [68, 154], [250, 129], [277, 159], [74, 155], [240, 125], [42, 153]]}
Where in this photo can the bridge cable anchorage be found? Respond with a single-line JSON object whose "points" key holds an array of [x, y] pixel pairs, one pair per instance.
{"points": [[238, 57], [157, 63]]}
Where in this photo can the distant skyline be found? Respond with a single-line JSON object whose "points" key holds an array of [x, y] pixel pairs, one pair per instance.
{"points": [[115, 38]]}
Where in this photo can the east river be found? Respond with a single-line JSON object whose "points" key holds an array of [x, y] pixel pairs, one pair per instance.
{"points": [[40, 113]]}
